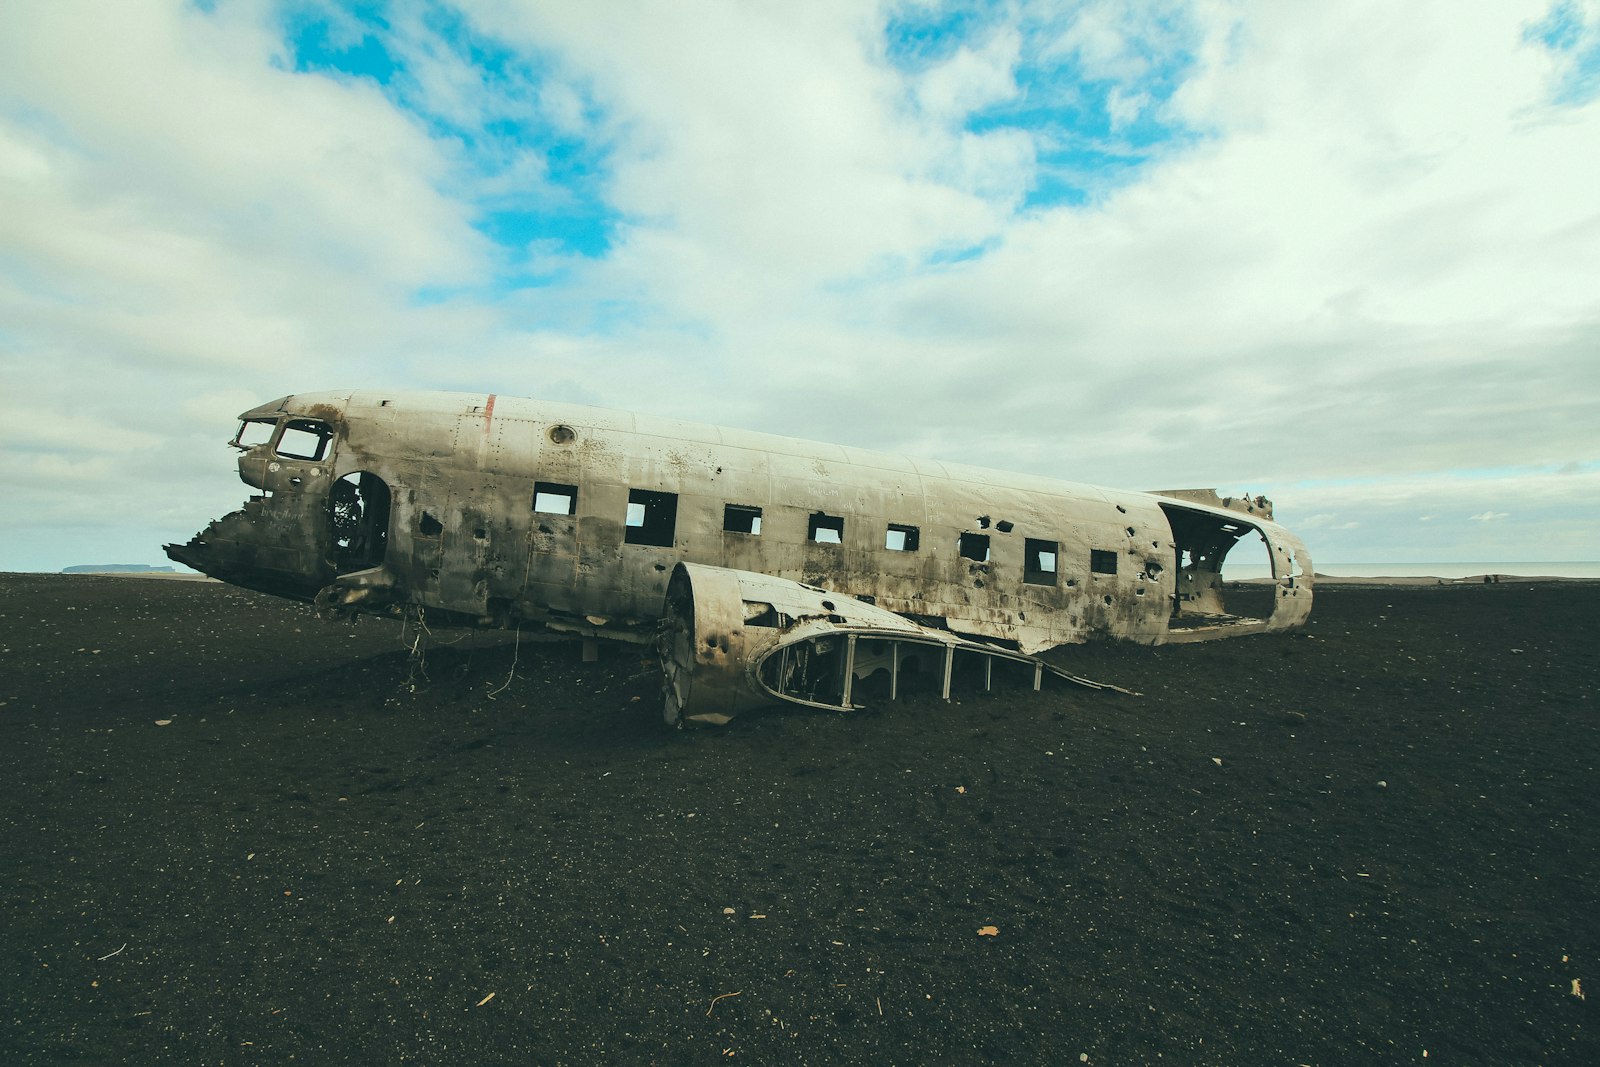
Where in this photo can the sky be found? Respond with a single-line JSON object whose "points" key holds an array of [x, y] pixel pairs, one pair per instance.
{"points": [[1345, 254]]}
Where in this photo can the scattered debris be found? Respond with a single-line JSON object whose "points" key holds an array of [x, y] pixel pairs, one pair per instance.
{"points": [[485, 1000], [988, 931], [512, 673], [723, 996]]}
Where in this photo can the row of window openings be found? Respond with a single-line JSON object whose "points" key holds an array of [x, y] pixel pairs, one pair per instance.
{"points": [[301, 438], [653, 516]]}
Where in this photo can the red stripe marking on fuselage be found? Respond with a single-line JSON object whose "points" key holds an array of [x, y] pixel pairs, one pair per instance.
{"points": [[488, 414]]}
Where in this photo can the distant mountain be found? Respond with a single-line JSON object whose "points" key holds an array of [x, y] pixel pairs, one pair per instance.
{"points": [[116, 568]]}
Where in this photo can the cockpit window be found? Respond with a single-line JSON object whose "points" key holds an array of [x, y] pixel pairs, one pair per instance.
{"points": [[253, 432], [304, 439]]}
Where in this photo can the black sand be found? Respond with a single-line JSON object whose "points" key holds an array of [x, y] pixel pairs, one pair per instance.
{"points": [[1398, 851]]}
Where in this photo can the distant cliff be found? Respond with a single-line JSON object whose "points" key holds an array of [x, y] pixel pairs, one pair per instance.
{"points": [[115, 568]]}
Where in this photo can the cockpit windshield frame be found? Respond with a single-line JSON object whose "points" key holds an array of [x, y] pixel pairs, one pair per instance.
{"points": [[269, 426], [303, 439]]}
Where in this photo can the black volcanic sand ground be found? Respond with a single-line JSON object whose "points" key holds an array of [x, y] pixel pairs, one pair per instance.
{"points": [[1397, 852]]}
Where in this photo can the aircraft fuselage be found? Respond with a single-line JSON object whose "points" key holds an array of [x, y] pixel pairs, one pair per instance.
{"points": [[503, 511]]}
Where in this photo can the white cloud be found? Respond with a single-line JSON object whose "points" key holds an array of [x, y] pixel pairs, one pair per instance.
{"points": [[1378, 264], [971, 79], [178, 205], [184, 218], [1114, 40], [1490, 516], [1125, 108], [190, 123], [766, 152], [1373, 264]]}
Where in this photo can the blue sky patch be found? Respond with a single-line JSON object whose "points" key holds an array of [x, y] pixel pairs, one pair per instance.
{"points": [[918, 36], [321, 47], [944, 257], [571, 231], [1560, 29], [1092, 133], [492, 119], [538, 182], [1565, 32]]}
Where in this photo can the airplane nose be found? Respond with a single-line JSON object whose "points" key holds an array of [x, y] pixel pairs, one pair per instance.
{"points": [[191, 555], [249, 549]]}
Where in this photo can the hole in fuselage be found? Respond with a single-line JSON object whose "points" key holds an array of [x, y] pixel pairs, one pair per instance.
{"points": [[358, 508]]}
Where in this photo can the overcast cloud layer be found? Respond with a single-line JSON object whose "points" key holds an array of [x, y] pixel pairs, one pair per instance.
{"points": [[1344, 254]]}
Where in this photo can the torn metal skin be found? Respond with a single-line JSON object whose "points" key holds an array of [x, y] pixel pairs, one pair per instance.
{"points": [[765, 568], [733, 640]]}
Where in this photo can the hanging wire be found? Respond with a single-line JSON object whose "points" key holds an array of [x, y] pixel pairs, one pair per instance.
{"points": [[516, 650]]}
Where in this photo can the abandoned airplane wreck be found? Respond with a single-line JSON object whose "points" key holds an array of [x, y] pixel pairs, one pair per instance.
{"points": [[764, 568]]}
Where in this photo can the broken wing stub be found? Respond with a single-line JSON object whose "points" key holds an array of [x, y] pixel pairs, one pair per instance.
{"points": [[734, 640]]}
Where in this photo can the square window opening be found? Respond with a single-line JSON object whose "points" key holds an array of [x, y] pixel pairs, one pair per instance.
{"points": [[1039, 562], [975, 546], [741, 518], [1102, 561], [254, 432], [652, 517], [901, 538], [552, 498], [825, 529], [304, 439]]}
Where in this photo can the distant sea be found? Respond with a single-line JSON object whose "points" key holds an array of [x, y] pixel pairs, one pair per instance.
{"points": [[1568, 569]]}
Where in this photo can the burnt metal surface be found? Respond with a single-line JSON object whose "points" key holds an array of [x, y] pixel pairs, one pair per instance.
{"points": [[498, 511]]}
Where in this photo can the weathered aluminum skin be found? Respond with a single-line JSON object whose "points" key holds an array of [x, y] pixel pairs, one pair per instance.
{"points": [[460, 537], [734, 640]]}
